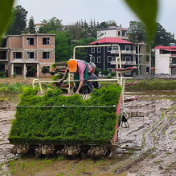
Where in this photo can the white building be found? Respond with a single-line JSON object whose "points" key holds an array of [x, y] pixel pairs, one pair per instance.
{"points": [[165, 60], [113, 31]]}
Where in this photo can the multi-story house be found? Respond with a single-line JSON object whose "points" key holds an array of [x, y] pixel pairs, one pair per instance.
{"points": [[21, 52], [113, 31], [131, 55], [165, 60], [4, 53]]}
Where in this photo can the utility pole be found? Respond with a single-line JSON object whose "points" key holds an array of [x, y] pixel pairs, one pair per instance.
{"points": [[138, 60]]}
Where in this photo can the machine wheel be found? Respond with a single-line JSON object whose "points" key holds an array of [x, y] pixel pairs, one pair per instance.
{"points": [[108, 153], [83, 154]]}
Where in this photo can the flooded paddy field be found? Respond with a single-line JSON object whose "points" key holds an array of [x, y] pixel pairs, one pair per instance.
{"points": [[146, 148]]}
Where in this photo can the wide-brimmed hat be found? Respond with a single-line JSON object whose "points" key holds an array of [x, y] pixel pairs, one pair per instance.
{"points": [[72, 65]]}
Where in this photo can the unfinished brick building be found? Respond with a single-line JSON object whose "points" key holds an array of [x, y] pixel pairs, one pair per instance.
{"points": [[18, 53]]}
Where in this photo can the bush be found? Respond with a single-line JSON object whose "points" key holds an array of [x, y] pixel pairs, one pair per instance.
{"points": [[113, 74], [109, 77], [2, 74], [45, 70], [65, 125], [14, 75], [53, 66], [33, 70], [105, 72]]}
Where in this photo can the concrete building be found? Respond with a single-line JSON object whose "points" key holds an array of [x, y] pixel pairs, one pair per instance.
{"points": [[18, 53], [165, 60], [113, 31], [131, 55]]}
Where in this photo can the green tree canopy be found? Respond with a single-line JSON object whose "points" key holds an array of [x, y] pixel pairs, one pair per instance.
{"points": [[53, 24], [137, 32], [31, 26], [63, 46], [18, 22], [162, 37]]}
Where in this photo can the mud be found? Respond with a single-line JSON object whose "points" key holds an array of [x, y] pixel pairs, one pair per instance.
{"points": [[146, 148]]}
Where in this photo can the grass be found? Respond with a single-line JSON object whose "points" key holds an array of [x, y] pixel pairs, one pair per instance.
{"points": [[15, 88], [146, 85], [152, 156], [143, 85]]}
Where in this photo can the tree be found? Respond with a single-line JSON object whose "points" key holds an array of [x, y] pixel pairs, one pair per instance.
{"points": [[77, 32], [31, 26], [53, 24], [162, 37], [63, 45], [103, 25], [45, 70], [82, 53], [33, 70], [18, 22], [137, 32]]}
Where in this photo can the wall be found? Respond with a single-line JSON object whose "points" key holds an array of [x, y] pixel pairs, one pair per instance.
{"points": [[161, 62], [107, 33], [15, 42], [20, 80]]}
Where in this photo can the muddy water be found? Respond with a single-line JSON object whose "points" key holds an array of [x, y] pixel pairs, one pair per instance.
{"points": [[128, 158]]}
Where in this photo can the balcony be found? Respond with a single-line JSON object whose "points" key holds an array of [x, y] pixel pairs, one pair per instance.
{"points": [[123, 52], [124, 62], [173, 55], [1, 60]]}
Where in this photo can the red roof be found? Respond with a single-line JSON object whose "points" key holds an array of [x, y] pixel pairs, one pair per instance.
{"points": [[110, 40], [167, 48]]}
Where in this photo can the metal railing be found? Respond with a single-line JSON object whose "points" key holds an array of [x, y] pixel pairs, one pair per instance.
{"points": [[124, 62]]}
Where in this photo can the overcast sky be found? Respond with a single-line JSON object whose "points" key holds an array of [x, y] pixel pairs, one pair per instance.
{"points": [[70, 11]]}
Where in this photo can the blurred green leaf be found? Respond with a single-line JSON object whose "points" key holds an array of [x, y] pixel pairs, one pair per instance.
{"points": [[146, 10], [5, 13]]}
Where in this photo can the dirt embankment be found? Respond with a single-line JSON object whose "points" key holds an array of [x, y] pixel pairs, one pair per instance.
{"points": [[146, 148]]}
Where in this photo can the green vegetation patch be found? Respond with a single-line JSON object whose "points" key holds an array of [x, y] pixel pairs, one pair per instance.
{"points": [[40, 122]]}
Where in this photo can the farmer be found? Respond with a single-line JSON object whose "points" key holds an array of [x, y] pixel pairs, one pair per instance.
{"points": [[81, 70], [93, 84]]}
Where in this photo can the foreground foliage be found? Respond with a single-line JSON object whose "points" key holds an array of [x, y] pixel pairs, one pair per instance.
{"points": [[78, 123]]}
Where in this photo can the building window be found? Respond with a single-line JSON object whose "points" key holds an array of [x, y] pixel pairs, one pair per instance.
{"points": [[48, 67], [110, 70], [127, 47], [17, 55], [46, 55], [3, 55], [123, 33], [2, 67], [147, 48], [92, 59], [115, 48], [127, 58], [46, 41], [127, 73], [110, 58], [147, 58], [98, 49], [118, 33], [93, 50], [30, 41], [30, 55], [18, 70], [109, 48], [99, 59]]}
